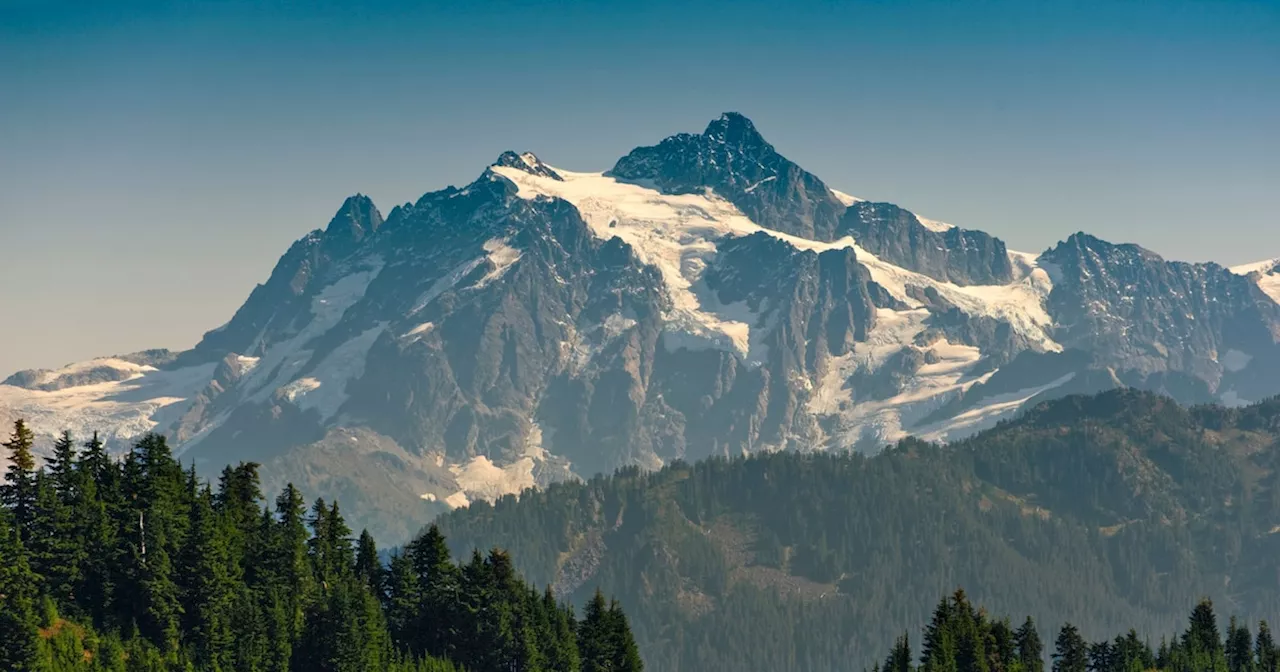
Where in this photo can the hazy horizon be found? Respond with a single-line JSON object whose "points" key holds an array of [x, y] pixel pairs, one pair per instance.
{"points": [[156, 159]]}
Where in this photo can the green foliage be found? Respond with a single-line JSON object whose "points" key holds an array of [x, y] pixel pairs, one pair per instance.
{"points": [[144, 568], [1073, 653], [1114, 511]]}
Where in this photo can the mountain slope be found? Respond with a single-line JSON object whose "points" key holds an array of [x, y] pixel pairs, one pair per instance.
{"points": [[1109, 511], [705, 296]]}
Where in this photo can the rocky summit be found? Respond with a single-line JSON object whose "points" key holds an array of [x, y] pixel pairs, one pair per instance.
{"points": [[705, 296]]}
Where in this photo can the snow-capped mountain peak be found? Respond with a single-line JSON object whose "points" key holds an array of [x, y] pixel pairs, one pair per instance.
{"points": [[706, 295]]}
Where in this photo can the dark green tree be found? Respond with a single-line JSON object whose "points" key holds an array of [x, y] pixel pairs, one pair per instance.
{"points": [[1239, 647], [19, 490], [1264, 649], [368, 564], [18, 587], [1030, 649], [207, 590], [1071, 653], [899, 659]]}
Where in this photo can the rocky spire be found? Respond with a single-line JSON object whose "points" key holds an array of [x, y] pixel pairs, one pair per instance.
{"points": [[356, 219]]}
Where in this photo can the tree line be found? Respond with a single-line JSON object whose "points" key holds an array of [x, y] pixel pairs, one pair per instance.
{"points": [[962, 638], [138, 565]]}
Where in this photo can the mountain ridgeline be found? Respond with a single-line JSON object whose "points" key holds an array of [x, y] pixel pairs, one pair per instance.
{"points": [[705, 296], [1112, 511]]}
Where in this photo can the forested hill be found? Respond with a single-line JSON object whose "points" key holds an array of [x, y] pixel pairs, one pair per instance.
{"points": [[1111, 511], [136, 566]]}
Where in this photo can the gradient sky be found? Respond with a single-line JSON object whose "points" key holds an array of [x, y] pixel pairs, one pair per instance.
{"points": [[157, 158]]}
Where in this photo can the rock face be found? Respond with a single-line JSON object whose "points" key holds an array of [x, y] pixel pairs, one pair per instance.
{"points": [[950, 254], [704, 297], [1140, 312], [732, 159]]}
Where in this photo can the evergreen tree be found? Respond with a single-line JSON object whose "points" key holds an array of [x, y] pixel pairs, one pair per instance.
{"points": [[368, 565], [19, 491], [56, 549], [626, 655], [404, 595], [207, 591], [899, 659], [18, 625], [1202, 641], [439, 580], [1265, 652], [1071, 653], [96, 501], [1239, 647], [938, 653], [1030, 649], [595, 647]]}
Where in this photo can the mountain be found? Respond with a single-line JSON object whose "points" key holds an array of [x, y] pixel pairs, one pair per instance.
{"points": [[1109, 511], [705, 296]]}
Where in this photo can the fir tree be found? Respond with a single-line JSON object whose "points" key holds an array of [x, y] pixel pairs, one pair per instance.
{"points": [[1239, 647], [1071, 653], [368, 566], [899, 659], [18, 625], [1264, 649], [1030, 649], [594, 643], [207, 590], [1202, 641], [19, 491]]}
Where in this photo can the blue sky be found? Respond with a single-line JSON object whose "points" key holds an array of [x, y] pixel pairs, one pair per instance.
{"points": [[157, 158]]}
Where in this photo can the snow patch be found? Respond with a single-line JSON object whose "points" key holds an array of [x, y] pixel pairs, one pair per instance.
{"points": [[757, 184], [502, 256], [325, 389], [934, 225], [445, 283], [988, 413], [1265, 273], [283, 361], [844, 198]]}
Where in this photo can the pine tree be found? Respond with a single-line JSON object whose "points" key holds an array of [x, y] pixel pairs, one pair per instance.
{"points": [[368, 565], [439, 614], [404, 595], [1265, 652], [62, 469], [56, 549], [938, 653], [626, 655], [97, 496], [207, 591], [1202, 641], [1002, 653], [19, 491], [1239, 647], [594, 644], [1071, 654], [899, 659], [18, 625], [1030, 649]]}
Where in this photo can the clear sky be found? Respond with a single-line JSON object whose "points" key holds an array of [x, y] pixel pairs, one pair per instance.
{"points": [[157, 158]]}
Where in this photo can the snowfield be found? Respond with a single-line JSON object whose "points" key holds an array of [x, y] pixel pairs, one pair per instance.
{"points": [[119, 411], [677, 234]]}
